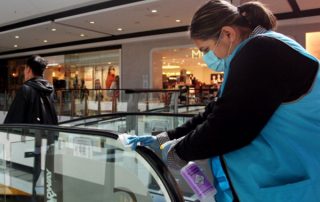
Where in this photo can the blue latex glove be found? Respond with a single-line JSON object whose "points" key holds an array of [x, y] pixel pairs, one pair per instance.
{"points": [[144, 140], [165, 149]]}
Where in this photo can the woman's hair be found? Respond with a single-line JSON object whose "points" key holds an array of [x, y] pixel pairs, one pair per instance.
{"points": [[212, 16]]}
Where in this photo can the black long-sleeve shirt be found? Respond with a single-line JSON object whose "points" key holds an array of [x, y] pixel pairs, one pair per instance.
{"points": [[264, 74]]}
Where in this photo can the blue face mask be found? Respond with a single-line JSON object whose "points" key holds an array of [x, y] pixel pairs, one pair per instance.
{"points": [[214, 62]]}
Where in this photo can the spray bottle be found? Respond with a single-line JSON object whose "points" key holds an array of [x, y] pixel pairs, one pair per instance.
{"points": [[198, 182]]}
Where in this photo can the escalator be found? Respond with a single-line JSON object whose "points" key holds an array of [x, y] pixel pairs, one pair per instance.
{"points": [[74, 164], [143, 124]]}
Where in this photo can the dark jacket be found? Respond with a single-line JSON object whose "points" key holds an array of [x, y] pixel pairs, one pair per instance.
{"points": [[33, 104], [263, 75]]}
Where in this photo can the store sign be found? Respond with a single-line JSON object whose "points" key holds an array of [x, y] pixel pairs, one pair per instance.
{"points": [[196, 54]]}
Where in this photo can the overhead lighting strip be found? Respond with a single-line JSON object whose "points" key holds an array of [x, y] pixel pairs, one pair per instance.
{"points": [[25, 27]]}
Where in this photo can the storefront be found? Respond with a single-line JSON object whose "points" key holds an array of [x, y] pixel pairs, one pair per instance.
{"points": [[183, 66], [91, 70]]}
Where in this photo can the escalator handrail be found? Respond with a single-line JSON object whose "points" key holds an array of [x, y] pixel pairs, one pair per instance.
{"points": [[132, 91], [85, 131], [179, 106], [123, 114], [162, 171]]}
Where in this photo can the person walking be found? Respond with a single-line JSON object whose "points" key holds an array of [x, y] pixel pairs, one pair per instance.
{"points": [[33, 104], [34, 100]]}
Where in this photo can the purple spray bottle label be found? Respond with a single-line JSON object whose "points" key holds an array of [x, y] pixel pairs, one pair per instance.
{"points": [[198, 181]]}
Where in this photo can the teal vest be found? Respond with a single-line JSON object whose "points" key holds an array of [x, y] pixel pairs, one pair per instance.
{"points": [[283, 163]]}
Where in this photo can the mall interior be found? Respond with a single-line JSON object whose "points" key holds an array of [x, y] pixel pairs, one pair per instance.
{"points": [[117, 66]]}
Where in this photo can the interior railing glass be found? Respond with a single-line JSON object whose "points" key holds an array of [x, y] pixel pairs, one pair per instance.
{"points": [[51, 163], [143, 124]]}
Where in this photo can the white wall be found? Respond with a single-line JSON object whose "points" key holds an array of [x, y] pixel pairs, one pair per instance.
{"points": [[136, 60]]}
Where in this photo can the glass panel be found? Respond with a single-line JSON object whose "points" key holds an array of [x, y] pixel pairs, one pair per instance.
{"points": [[133, 124], [3, 170], [44, 165], [96, 162], [191, 109], [146, 125], [16, 167]]}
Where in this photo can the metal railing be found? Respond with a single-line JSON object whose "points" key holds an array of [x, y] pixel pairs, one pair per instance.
{"points": [[75, 103]]}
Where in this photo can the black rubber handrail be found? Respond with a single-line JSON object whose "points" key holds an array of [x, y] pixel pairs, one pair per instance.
{"points": [[163, 172], [92, 132], [123, 114], [131, 91]]}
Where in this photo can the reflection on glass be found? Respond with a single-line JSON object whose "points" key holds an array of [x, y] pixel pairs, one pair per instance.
{"points": [[133, 124], [147, 125], [123, 175], [43, 165]]}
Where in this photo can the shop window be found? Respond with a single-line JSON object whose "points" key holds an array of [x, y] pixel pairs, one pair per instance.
{"points": [[91, 70], [181, 66], [313, 43]]}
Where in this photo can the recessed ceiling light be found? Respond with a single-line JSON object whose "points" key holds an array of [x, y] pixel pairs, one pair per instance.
{"points": [[45, 41], [17, 37], [178, 20], [16, 46], [154, 11], [109, 63], [92, 22], [82, 35], [119, 29], [53, 29]]}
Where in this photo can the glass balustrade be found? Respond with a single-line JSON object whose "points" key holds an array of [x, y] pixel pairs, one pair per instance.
{"points": [[46, 163], [75, 103], [144, 124]]}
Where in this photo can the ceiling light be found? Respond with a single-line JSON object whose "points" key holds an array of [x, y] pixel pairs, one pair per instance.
{"points": [[82, 35], [17, 37], [16, 46], [154, 11], [178, 20], [53, 29], [45, 41], [91, 22], [119, 29]]}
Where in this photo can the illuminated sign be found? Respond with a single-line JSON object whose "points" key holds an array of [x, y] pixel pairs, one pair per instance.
{"points": [[196, 54]]}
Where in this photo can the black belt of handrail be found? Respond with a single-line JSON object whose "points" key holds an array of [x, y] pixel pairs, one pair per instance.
{"points": [[132, 91], [54, 128], [122, 114]]}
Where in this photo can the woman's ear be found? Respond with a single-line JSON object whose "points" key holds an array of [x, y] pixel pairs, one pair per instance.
{"points": [[229, 33]]}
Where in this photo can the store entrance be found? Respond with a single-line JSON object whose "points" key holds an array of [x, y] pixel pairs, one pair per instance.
{"points": [[184, 68]]}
